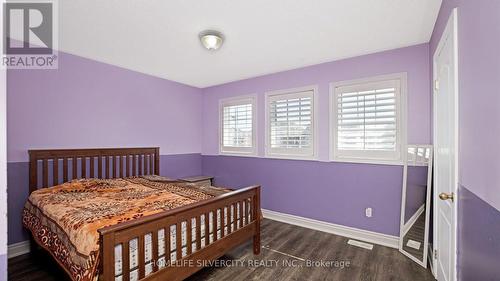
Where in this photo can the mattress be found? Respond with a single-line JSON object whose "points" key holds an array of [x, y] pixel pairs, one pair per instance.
{"points": [[65, 219]]}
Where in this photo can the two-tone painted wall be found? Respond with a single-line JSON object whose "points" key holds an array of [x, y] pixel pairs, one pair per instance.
{"points": [[322, 190], [479, 134], [90, 104], [86, 103]]}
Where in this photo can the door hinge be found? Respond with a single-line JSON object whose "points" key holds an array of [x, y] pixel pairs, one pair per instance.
{"points": [[436, 84], [435, 254]]}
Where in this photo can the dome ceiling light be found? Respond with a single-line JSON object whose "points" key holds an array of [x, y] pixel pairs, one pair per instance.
{"points": [[211, 39]]}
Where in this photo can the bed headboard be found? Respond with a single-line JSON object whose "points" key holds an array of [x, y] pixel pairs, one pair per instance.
{"points": [[54, 166]]}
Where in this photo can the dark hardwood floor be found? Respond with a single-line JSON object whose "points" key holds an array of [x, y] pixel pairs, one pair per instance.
{"points": [[282, 243]]}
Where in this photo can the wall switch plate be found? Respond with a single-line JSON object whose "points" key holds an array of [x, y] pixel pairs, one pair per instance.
{"points": [[368, 212]]}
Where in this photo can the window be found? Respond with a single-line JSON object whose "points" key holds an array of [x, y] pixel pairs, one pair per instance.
{"points": [[290, 124], [237, 118], [367, 118]]}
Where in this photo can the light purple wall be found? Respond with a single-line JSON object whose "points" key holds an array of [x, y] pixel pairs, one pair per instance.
{"points": [[91, 104], [413, 60], [478, 238], [479, 134], [3, 267], [479, 96], [332, 192]]}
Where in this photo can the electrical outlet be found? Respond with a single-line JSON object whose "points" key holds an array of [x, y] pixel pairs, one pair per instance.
{"points": [[368, 212]]}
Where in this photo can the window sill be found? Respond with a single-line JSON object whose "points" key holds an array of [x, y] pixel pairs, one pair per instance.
{"points": [[239, 154], [291, 157], [368, 161], [310, 158]]}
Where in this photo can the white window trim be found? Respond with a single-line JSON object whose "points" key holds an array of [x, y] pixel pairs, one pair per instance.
{"points": [[314, 119], [402, 123], [235, 101]]}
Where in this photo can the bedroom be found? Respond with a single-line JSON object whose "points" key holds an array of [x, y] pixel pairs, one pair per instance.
{"points": [[318, 121]]}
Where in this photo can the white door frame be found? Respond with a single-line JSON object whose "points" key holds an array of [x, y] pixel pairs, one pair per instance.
{"points": [[451, 30]]}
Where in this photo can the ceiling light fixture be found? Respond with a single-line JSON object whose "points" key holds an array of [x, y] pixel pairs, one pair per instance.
{"points": [[211, 39]]}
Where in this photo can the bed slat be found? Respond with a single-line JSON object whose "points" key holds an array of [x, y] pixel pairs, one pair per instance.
{"points": [[127, 158], [141, 171], [121, 166], [74, 162], [99, 166], [55, 171], [134, 165], [189, 237], [154, 248], [178, 240], [84, 167], [151, 163], [198, 233], [222, 222], [214, 225], [240, 218], [141, 253], [45, 172], [167, 244], [65, 169], [207, 229], [92, 166], [107, 167], [115, 166], [125, 261]]}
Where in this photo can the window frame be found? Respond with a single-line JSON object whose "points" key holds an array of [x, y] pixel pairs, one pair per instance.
{"points": [[371, 157], [282, 153], [238, 151]]}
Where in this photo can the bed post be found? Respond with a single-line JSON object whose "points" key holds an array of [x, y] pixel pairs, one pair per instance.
{"points": [[107, 255], [33, 172], [256, 214]]}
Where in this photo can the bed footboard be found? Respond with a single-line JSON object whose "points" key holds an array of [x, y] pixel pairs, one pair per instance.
{"points": [[202, 232]]}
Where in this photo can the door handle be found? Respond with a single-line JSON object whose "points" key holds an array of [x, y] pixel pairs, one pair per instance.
{"points": [[446, 196]]}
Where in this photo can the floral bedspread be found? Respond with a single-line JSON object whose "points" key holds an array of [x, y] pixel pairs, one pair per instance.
{"points": [[64, 219]]}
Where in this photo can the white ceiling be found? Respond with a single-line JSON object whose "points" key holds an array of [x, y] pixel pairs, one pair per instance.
{"points": [[160, 37]]}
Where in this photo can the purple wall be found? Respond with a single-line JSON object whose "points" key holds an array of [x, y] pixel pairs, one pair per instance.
{"points": [[478, 72], [479, 134], [331, 192], [3, 267], [413, 60], [478, 238], [328, 191], [91, 104]]}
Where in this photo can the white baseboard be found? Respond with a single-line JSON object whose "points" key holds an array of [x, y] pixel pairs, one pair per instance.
{"points": [[18, 249], [351, 232], [413, 219]]}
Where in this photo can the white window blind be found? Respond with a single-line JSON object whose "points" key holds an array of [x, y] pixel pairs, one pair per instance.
{"points": [[367, 121], [237, 120], [290, 124]]}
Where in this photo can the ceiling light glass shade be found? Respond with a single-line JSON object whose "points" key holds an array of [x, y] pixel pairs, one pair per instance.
{"points": [[211, 40]]}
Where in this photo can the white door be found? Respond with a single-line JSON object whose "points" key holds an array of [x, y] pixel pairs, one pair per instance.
{"points": [[446, 144]]}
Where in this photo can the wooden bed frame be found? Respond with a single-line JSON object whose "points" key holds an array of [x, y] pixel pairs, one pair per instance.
{"points": [[124, 162]]}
